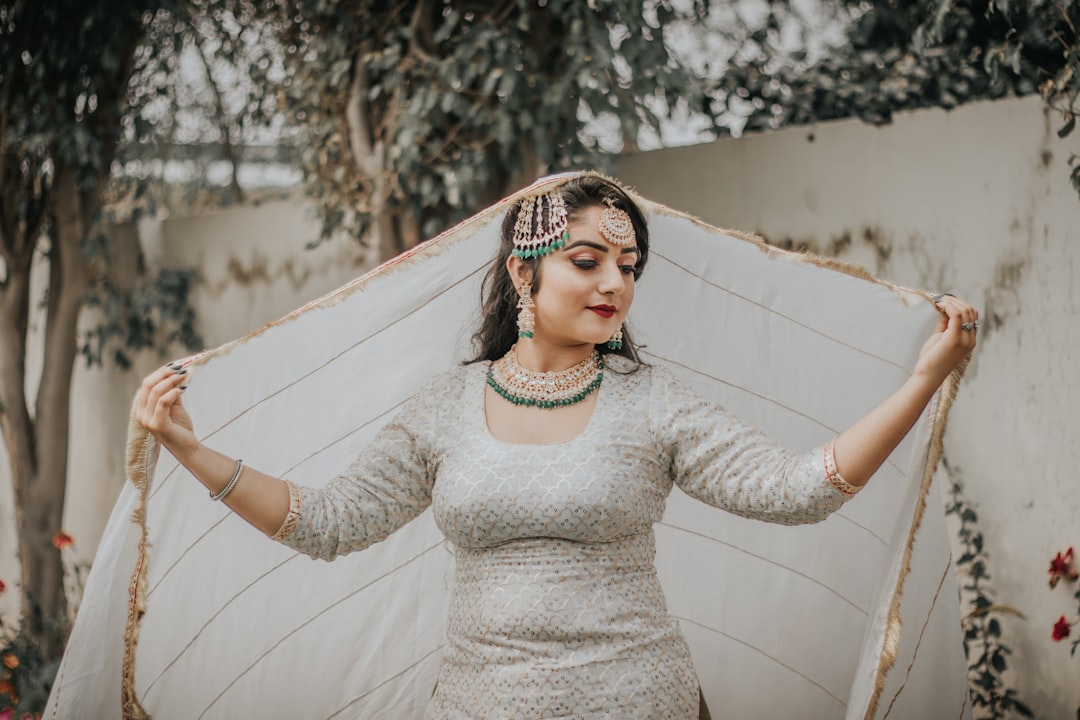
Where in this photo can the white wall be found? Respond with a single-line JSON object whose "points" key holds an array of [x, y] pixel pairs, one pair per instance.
{"points": [[975, 201]]}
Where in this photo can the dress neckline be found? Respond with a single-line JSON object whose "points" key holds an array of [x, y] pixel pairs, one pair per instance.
{"points": [[480, 408]]}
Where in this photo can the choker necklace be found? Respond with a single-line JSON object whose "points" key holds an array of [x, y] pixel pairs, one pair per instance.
{"points": [[545, 389]]}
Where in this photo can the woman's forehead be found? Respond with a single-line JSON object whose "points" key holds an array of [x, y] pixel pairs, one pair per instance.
{"points": [[584, 227]]}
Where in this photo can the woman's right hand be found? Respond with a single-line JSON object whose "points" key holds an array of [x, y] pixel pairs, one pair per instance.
{"points": [[160, 409]]}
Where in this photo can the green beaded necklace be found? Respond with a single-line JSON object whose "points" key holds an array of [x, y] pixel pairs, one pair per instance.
{"points": [[545, 389]]}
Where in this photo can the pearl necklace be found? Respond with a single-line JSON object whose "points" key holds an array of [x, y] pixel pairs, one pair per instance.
{"points": [[545, 389]]}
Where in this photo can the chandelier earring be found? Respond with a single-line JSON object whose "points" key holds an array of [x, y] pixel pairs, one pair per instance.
{"points": [[615, 343], [526, 320]]}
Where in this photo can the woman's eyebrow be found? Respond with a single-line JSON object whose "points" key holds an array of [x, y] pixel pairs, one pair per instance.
{"points": [[601, 248]]}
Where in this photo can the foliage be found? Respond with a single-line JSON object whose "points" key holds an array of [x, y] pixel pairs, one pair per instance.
{"points": [[148, 316], [26, 673], [902, 56], [414, 113], [27, 667], [198, 97], [984, 647]]}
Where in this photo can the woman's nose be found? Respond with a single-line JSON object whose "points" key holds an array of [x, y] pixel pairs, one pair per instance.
{"points": [[611, 279]]}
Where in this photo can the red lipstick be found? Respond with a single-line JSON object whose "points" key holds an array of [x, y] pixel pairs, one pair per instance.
{"points": [[604, 311]]}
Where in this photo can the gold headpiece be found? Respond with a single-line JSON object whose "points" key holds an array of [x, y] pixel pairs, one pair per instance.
{"points": [[616, 226], [536, 232]]}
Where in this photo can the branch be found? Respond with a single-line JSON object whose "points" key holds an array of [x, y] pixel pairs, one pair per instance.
{"points": [[4, 105], [420, 22], [68, 284], [1065, 15], [219, 108], [15, 421], [995, 608], [366, 151]]}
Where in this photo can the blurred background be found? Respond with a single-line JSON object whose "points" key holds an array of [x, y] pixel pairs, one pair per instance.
{"points": [[176, 173]]}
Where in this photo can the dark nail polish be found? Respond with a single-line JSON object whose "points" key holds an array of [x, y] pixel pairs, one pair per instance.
{"points": [[181, 372], [183, 387]]}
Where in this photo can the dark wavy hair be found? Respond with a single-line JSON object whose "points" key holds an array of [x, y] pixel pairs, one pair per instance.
{"points": [[498, 296]]}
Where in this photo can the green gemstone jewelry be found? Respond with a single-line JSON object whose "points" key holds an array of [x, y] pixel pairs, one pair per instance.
{"points": [[545, 389]]}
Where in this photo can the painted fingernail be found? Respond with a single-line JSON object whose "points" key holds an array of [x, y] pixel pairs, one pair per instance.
{"points": [[182, 372], [183, 387]]}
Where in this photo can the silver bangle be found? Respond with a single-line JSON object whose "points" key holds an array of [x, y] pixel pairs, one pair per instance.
{"points": [[231, 484]]}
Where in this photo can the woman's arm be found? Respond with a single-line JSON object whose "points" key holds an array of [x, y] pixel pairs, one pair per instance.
{"points": [[861, 449], [259, 498]]}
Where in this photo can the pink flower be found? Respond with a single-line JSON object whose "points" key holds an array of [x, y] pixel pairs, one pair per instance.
{"points": [[7, 713], [61, 540], [1061, 629], [3, 587]]}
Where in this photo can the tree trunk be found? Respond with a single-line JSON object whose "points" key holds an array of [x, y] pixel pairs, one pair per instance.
{"points": [[38, 444], [68, 285], [15, 419]]}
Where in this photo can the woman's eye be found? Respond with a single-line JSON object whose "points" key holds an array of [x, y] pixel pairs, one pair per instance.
{"points": [[628, 269], [584, 263]]}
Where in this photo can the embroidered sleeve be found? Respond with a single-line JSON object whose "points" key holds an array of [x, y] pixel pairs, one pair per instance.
{"points": [[724, 462], [387, 485], [289, 524], [833, 475]]}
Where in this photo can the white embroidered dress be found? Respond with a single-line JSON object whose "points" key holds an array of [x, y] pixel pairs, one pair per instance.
{"points": [[556, 609]]}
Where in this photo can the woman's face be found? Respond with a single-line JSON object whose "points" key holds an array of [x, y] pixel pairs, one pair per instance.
{"points": [[585, 288]]}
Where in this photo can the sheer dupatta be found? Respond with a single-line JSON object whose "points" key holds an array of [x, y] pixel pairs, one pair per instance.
{"points": [[190, 613]]}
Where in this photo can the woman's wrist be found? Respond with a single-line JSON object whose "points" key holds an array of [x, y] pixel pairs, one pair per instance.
{"points": [[186, 452], [923, 384]]}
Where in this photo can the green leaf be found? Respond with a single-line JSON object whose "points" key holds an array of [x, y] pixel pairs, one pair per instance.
{"points": [[1068, 127], [1021, 708]]}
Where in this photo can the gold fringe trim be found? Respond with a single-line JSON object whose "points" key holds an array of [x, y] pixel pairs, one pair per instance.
{"points": [[841, 266], [893, 624], [141, 458]]}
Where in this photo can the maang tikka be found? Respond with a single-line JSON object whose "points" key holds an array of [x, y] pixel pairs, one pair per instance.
{"points": [[615, 225]]}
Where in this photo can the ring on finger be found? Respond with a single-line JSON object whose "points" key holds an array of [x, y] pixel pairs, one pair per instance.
{"points": [[974, 325]]}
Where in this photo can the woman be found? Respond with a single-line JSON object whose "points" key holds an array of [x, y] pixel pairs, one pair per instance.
{"points": [[547, 460]]}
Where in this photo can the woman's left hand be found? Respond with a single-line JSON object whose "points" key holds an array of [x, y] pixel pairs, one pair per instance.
{"points": [[861, 449], [952, 341]]}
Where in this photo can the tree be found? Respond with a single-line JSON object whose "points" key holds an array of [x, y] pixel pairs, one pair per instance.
{"points": [[65, 69], [901, 56], [414, 114]]}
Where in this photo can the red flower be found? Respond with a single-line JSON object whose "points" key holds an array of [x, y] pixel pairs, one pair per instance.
{"points": [[1062, 567], [3, 587], [1061, 629], [62, 540]]}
